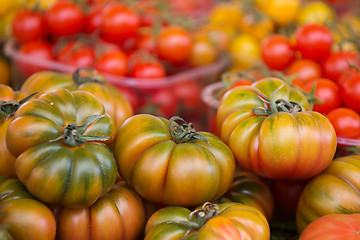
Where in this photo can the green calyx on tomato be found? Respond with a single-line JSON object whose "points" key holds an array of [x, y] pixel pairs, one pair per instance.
{"points": [[183, 132], [87, 74], [73, 135], [8, 108]]}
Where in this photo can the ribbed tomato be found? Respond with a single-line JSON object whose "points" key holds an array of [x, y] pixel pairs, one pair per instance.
{"points": [[250, 190], [22, 217], [271, 133], [60, 142], [87, 79], [119, 214], [334, 191], [223, 221], [169, 162]]}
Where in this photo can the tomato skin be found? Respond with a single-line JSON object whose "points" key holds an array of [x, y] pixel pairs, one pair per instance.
{"points": [[350, 92], [327, 91], [337, 63], [346, 122], [258, 142], [113, 62], [333, 227], [74, 176], [336, 190], [306, 71], [250, 190], [64, 18], [28, 25], [195, 172], [314, 41], [25, 217], [277, 52], [122, 208], [234, 221]]}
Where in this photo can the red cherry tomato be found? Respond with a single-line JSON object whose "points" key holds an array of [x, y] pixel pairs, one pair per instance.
{"points": [[94, 18], [346, 122], [314, 41], [337, 63], [64, 18], [277, 52], [119, 22], [28, 25], [165, 102], [350, 92], [174, 44], [305, 70], [148, 70], [113, 62], [145, 41], [327, 91], [76, 54], [188, 94]]}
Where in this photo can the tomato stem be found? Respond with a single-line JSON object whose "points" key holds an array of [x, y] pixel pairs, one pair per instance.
{"points": [[87, 74], [183, 132], [8, 108]]}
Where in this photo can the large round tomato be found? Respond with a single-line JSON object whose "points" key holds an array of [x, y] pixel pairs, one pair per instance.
{"points": [[336, 190], [119, 214], [60, 142], [87, 79], [223, 221], [271, 133], [250, 190], [333, 227], [22, 217], [170, 163]]}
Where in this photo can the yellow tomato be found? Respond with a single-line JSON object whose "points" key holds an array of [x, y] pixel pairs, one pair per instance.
{"points": [[41, 4], [4, 72], [7, 6], [315, 12], [283, 12], [259, 26], [245, 50], [203, 52], [227, 16]]}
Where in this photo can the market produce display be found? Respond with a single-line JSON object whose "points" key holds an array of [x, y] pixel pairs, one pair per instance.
{"points": [[179, 119]]}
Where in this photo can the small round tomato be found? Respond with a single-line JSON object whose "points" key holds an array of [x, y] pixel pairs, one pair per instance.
{"points": [[119, 22], [337, 63], [145, 40], [346, 122], [315, 12], [350, 92], [76, 54], [282, 12], [202, 52], [148, 70], [28, 25], [174, 44], [245, 49], [93, 19], [113, 62], [305, 71], [328, 92], [164, 101], [314, 41], [64, 18], [277, 52]]}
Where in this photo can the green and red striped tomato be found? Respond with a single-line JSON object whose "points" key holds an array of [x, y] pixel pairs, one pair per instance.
{"points": [[271, 132], [21, 216], [87, 79], [170, 163], [334, 191], [250, 190], [119, 214], [224, 221], [60, 140]]}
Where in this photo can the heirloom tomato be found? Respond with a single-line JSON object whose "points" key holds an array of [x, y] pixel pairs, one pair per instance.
{"points": [[170, 163], [87, 79], [21, 216], [334, 191], [333, 227], [223, 221], [250, 190], [119, 214], [271, 133], [60, 140], [9, 103]]}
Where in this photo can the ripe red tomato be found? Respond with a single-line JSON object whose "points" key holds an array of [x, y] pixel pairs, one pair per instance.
{"points": [[119, 22], [174, 44], [145, 40], [346, 122], [305, 70], [314, 41], [164, 101], [277, 52], [350, 92], [28, 25], [336, 64], [148, 70], [37, 49], [76, 54], [64, 18], [113, 62], [327, 91], [94, 18]]}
